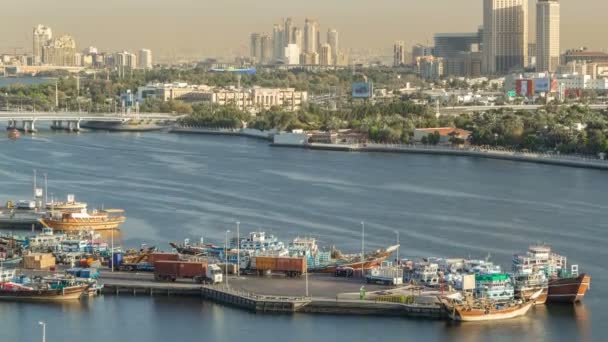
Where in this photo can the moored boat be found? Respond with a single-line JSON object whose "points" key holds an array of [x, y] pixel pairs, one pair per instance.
{"points": [[568, 289], [62, 290], [487, 312], [108, 219]]}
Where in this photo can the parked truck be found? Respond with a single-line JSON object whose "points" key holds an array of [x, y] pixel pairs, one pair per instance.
{"points": [[291, 267], [199, 271], [386, 274]]}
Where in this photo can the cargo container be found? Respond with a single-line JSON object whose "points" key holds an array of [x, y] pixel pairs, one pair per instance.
{"points": [[38, 261], [80, 272], [152, 258], [138, 267], [386, 274], [168, 270], [292, 267]]}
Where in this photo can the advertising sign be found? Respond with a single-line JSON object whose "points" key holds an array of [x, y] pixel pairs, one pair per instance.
{"points": [[362, 90]]}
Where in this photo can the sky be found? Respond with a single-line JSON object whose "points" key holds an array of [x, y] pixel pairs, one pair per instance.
{"points": [[222, 27]]}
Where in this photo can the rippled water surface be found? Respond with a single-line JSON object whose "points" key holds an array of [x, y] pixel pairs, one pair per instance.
{"points": [[187, 186]]}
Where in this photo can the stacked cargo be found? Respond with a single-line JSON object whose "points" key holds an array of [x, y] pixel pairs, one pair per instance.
{"points": [[271, 264], [172, 270], [38, 261], [152, 258]]}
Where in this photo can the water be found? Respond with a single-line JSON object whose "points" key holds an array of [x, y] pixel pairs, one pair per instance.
{"points": [[175, 186]]}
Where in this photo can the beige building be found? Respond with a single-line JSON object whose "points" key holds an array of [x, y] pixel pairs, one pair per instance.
{"points": [[42, 36], [505, 35], [60, 51], [547, 35], [325, 55], [247, 99], [311, 35], [399, 53], [309, 58], [333, 41]]}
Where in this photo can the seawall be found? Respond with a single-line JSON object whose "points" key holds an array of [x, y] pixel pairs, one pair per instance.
{"points": [[471, 152]]}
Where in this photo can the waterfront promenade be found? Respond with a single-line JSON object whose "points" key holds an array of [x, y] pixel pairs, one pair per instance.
{"points": [[466, 151]]}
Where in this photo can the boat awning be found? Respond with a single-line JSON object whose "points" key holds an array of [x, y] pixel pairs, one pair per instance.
{"points": [[113, 210]]}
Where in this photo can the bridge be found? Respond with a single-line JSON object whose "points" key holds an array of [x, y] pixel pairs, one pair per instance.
{"points": [[72, 120]]}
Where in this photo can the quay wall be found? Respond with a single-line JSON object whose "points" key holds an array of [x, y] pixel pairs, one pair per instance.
{"points": [[245, 132], [563, 160]]}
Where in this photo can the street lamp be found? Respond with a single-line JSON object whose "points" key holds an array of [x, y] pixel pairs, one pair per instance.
{"points": [[238, 249], [398, 245], [226, 256], [43, 330], [362, 246]]}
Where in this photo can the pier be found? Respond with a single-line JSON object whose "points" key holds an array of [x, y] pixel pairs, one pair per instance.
{"points": [[282, 304]]}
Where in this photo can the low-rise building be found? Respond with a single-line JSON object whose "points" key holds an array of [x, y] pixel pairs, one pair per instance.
{"points": [[253, 99]]}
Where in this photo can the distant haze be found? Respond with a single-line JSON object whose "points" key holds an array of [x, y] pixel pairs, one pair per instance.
{"points": [[221, 28]]}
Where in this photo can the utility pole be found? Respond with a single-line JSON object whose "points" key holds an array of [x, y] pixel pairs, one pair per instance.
{"points": [[226, 256], [362, 246], [238, 249]]}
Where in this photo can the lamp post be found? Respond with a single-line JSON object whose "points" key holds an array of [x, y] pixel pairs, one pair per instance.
{"points": [[43, 330], [362, 246], [238, 249], [226, 256], [398, 245]]}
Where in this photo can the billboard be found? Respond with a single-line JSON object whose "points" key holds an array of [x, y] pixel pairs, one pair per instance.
{"points": [[524, 88], [362, 90], [541, 85]]}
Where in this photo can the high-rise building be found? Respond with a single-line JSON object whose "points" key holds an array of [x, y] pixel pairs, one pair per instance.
{"points": [[42, 36], [288, 32], [266, 49], [145, 59], [453, 48], [333, 41], [325, 55], [505, 35], [547, 35], [125, 60], [420, 50], [256, 47], [309, 58], [399, 53], [292, 54], [59, 51], [311, 29], [277, 43], [298, 37], [430, 68]]}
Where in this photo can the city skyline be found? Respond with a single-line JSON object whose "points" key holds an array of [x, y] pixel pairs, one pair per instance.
{"points": [[361, 25]]}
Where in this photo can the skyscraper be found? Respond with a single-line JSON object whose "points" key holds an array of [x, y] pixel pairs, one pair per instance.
{"points": [[288, 32], [333, 41], [505, 35], [277, 43], [298, 37], [145, 59], [311, 28], [399, 53], [256, 47], [42, 36], [547, 35], [266, 49], [325, 55]]}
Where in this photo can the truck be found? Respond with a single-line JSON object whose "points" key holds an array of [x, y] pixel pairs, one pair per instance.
{"points": [[291, 267], [386, 274], [198, 271]]}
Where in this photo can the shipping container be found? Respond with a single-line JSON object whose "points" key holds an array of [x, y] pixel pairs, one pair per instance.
{"points": [[289, 266], [152, 258], [172, 270]]}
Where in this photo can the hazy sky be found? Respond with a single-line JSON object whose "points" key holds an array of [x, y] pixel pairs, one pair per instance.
{"points": [[222, 27]]}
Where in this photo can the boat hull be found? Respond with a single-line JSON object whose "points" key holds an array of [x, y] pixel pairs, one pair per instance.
{"points": [[526, 294], [67, 294], [568, 290], [355, 265], [462, 314], [67, 226]]}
